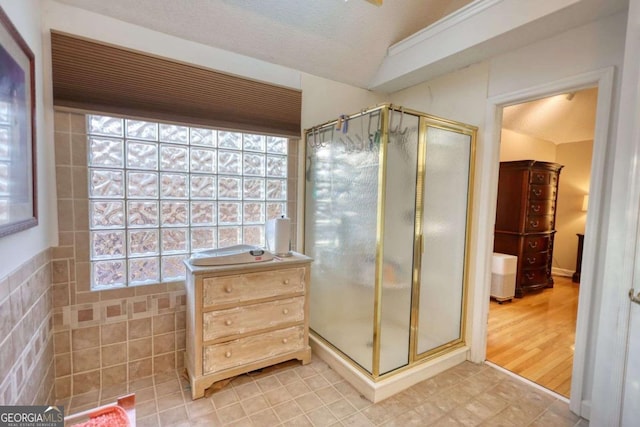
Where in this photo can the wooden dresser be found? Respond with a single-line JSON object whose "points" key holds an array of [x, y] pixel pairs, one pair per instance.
{"points": [[245, 317], [525, 220]]}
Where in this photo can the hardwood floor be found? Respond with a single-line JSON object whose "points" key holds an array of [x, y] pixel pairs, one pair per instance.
{"points": [[534, 336]]}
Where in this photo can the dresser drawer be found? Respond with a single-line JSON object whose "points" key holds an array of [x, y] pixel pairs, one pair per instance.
{"points": [[535, 276], [534, 259], [247, 350], [543, 177], [541, 207], [542, 192], [533, 244], [252, 286], [249, 318], [538, 223]]}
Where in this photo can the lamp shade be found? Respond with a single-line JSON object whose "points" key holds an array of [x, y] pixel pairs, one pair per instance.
{"points": [[585, 202]]}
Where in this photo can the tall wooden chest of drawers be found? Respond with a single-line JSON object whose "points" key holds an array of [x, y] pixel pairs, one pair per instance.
{"points": [[525, 220], [245, 317]]}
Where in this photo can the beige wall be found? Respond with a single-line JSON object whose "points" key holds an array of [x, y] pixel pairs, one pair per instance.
{"points": [[516, 146], [574, 184]]}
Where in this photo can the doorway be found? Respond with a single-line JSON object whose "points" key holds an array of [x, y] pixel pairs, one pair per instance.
{"points": [[534, 336]]}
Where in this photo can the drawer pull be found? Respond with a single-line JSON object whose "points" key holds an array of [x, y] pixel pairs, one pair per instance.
{"points": [[228, 322], [531, 260], [530, 275], [534, 224], [285, 281], [285, 311], [533, 245], [535, 208], [539, 178], [284, 340], [227, 354], [537, 191], [228, 289]]}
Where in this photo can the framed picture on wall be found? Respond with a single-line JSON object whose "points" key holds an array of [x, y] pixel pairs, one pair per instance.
{"points": [[18, 197]]}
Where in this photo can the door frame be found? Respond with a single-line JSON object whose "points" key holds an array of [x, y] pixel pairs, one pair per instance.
{"points": [[489, 162]]}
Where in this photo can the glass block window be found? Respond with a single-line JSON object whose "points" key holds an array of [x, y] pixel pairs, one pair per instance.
{"points": [[158, 192]]}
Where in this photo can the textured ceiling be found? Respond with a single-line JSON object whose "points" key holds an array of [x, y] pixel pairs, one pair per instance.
{"points": [[345, 41], [557, 119]]}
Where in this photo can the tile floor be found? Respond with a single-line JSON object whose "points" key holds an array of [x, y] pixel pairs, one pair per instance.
{"points": [[314, 395]]}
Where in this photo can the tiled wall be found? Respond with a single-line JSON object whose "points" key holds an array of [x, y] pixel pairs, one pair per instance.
{"points": [[26, 347], [109, 337]]}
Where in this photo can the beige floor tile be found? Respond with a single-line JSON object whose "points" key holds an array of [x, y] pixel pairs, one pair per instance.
{"points": [[549, 419], [145, 409], [278, 396], [287, 411], [224, 397], [269, 383], [308, 402], [313, 395], [170, 401], [300, 421], [231, 413], [174, 417], [255, 404], [357, 420], [328, 394], [208, 420], [266, 418], [247, 390], [321, 417], [297, 388], [199, 407], [288, 377], [150, 421], [341, 409]]}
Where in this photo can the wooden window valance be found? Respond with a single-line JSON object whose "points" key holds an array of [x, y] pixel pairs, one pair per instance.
{"points": [[95, 76]]}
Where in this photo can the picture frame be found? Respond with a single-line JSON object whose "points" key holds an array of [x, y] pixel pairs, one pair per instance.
{"points": [[18, 189]]}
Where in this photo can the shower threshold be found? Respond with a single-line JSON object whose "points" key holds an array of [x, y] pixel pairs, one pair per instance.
{"points": [[376, 391]]}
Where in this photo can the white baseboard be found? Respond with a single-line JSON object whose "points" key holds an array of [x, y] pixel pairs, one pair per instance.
{"points": [[585, 409], [561, 272]]}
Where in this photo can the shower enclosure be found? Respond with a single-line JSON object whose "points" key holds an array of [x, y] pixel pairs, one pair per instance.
{"points": [[387, 202]]}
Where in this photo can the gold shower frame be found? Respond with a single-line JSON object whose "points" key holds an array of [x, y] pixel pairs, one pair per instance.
{"points": [[425, 121]]}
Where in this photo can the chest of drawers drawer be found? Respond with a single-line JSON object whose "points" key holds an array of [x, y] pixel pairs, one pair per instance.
{"points": [[535, 260], [535, 276], [543, 177], [538, 223], [244, 350], [541, 207], [533, 243], [251, 318], [542, 192], [252, 286]]}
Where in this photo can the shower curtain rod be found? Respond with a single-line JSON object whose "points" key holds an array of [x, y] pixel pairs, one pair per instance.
{"points": [[391, 107]]}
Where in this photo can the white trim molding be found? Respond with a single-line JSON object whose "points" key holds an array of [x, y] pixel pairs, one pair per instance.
{"points": [[466, 12], [615, 384], [489, 160]]}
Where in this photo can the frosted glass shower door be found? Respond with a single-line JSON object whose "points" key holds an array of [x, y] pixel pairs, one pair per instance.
{"points": [[398, 237], [444, 230], [340, 235]]}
